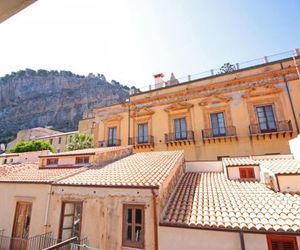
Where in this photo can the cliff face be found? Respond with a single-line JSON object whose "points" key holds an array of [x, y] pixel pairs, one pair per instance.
{"points": [[50, 98]]}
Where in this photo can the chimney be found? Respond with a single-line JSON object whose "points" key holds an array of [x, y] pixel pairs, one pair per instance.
{"points": [[159, 80]]}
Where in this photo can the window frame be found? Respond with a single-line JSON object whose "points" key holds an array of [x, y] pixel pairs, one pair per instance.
{"points": [[248, 176], [62, 216], [84, 160], [267, 121], [51, 159], [142, 139], [183, 134], [132, 243], [59, 140], [272, 237], [219, 128], [112, 141]]}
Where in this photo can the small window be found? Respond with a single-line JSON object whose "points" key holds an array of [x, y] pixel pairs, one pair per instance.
{"points": [[51, 141], [58, 150], [82, 160], [278, 242], [112, 136], [180, 129], [133, 226], [4, 161], [70, 224], [11, 160], [59, 140], [218, 124], [70, 138], [247, 173], [53, 161]]}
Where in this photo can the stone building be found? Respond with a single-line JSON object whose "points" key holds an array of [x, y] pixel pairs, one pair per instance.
{"points": [[245, 111]]}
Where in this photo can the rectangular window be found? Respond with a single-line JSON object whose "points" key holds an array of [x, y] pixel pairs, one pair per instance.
{"points": [[247, 173], [70, 224], [22, 220], [82, 160], [53, 161], [51, 141], [180, 128], [278, 242], [143, 133], [266, 118], [112, 136], [218, 124], [133, 226], [59, 140]]}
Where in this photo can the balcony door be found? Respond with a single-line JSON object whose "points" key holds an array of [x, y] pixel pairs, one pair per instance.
{"points": [[180, 128], [143, 133], [21, 225], [266, 118], [112, 136], [218, 124]]}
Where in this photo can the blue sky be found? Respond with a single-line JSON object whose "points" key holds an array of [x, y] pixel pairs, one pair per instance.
{"points": [[130, 40]]}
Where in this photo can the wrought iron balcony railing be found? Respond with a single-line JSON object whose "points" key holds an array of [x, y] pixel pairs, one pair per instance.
{"points": [[141, 140], [180, 136], [110, 143], [265, 128], [229, 131]]}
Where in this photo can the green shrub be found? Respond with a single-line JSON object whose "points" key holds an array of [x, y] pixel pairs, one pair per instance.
{"points": [[28, 146]]}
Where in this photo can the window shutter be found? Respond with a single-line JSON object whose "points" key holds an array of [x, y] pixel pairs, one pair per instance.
{"points": [[280, 242]]}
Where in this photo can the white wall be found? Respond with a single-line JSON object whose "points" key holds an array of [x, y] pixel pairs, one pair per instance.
{"points": [[295, 147], [234, 173], [196, 239], [204, 166], [11, 193], [289, 183]]}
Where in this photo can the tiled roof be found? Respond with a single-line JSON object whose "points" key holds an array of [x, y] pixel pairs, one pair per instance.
{"points": [[32, 173], [210, 200], [147, 169], [280, 165], [239, 161], [290, 166], [85, 151]]}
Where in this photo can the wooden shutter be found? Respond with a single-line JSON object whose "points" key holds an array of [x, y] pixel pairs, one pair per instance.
{"points": [[247, 173], [277, 242]]}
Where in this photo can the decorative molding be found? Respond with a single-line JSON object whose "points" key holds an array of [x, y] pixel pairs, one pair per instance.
{"points": [[112, 118], [214, 99], [268, 89], [142, 112], [179, 106]]}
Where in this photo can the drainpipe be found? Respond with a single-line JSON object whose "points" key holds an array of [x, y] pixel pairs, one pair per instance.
{"points": [[242, 241], [154, 195], [47, 209], [128, 139], [290, 100]]}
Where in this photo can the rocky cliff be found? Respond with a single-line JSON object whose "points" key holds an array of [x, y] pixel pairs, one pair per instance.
{"points": [[40, 98]]}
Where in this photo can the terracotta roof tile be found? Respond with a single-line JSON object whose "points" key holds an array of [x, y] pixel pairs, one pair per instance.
{"points": [[210, 200], [141, 169], [32, 173], [288, 166], [239, 161]]}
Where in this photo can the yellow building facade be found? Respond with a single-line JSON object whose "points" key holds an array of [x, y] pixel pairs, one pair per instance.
{"points": [[249, 111]]}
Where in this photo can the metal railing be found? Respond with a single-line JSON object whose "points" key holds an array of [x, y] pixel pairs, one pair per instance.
{"points": [[221, 70], [37, 242], [110, 143], [140, 140], [214, 133], [180, 136], [264, 128]]}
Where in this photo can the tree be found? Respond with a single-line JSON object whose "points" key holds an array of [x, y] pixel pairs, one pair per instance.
{"points": [[29, 146], [80, 141]]}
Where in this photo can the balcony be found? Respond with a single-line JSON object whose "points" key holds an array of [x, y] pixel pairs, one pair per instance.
{"points": [[182, 137], [263, 129], [110, 143], [142, 141], [216, 135]]}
